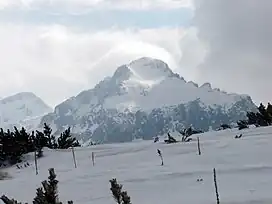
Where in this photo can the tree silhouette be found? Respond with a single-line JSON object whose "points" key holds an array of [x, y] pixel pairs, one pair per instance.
{"points": [[66, 140]]}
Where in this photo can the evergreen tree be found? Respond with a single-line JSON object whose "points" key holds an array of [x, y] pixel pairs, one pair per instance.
{"points": [[252, 118], [47, 131], [266, 120], [242, 124], [262, 109], [32, 139], [269, 109], [40, 140], [261, 118], [51, 188], [225, 126], [121, 197], [2, 153], [12, 148], [66, 140], [40, 198]]}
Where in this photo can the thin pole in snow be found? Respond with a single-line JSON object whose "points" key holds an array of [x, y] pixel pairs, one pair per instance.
{"points": [[198, 146], [36, 163], [93, 158], [74, 157], [215, 186], [160, 155]]}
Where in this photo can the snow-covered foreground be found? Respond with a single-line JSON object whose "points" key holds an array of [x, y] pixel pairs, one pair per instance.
{"points": [[244, 169]]}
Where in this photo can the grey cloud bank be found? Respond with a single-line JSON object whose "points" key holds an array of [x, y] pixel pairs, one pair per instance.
{"points": [[229, 46], [238, 35]]}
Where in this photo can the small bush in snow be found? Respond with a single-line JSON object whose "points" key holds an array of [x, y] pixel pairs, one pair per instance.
{"points": [[121, 197], [4, 175], [47, 194]]}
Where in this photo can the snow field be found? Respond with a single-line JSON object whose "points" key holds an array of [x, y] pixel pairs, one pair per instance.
{"points": [[244, 169]]}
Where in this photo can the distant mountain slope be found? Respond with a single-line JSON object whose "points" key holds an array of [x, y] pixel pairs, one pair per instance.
{"points": [[22, 109], [143, 99]]}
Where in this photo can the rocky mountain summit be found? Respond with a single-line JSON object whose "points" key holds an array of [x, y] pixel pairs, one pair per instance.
{"points": [[143, 99]]}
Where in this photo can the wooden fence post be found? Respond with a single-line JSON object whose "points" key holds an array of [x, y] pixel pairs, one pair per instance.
{"points": [[74, 157], [93, 158], [36, 163], [160, 155], [198, 146], [216, 187]]}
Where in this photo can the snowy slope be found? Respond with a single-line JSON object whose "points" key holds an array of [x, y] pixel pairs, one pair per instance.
{"points": [[243, 171], [151, 84], [22, 109], [142, 95]]}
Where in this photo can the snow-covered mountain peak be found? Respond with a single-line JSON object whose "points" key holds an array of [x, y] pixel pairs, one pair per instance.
{"points": [[145, 71], [146, 84], [142, 99], [15, 109], [148, 69], [19, 97], [139, 76], [122, 73]]}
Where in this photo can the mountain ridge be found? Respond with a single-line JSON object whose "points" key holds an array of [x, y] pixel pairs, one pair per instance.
{"points": [[143, 99], [21, 108]]}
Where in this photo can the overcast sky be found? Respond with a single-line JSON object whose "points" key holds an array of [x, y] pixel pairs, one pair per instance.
{"points": [[57, 48]]}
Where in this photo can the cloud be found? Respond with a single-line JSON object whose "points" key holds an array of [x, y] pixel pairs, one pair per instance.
{"points": [[84, 5], [230, 45], [101, 19], [56, 61], [238, 38]]}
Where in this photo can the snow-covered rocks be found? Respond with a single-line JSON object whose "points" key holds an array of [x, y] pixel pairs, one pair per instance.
{"points": [[22, 109], [142, 99]]}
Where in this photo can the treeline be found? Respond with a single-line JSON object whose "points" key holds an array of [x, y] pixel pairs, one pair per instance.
{"points": [[261, 118], [13, 144]]}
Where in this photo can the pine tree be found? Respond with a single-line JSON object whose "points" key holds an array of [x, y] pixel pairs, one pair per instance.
{"points": [[225, 126], [40, 140], [47, 131], [125, 198], [12, 148], [40, 198], [242, 124], [121, 197], [265, 117], [252, 118], [32, 146], [269, 109], [261, 118], [66, 140], [116, 190], [51, 188], [262, 109], [2, 143]]}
